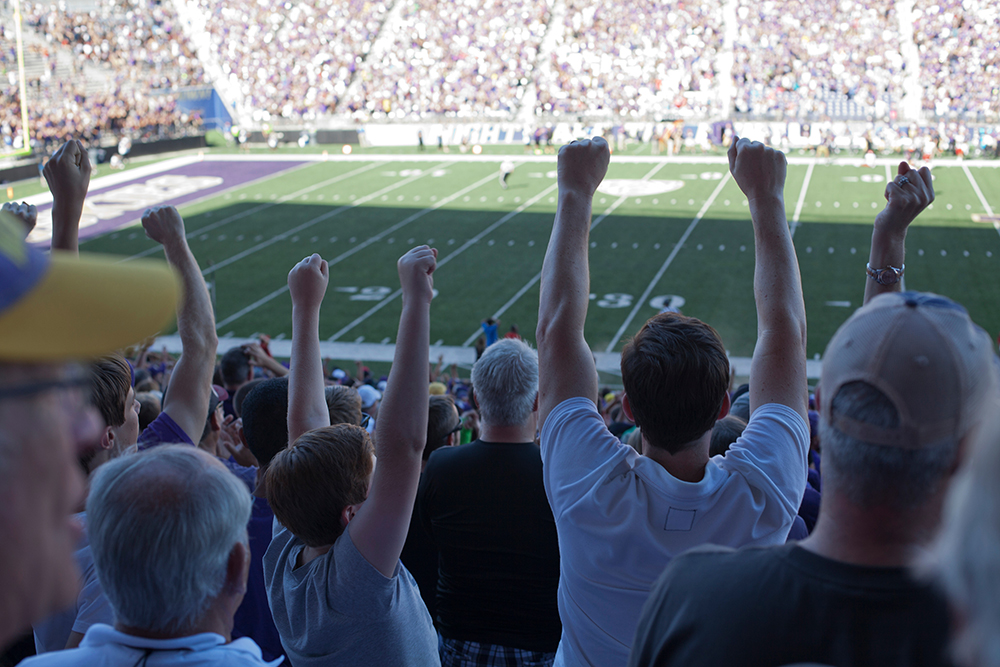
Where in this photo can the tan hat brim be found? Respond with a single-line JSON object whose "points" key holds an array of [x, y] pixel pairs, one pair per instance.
{"points": [[87, 306]]}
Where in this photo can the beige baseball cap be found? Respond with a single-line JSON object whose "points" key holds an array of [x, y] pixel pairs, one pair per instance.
{"points": [[926, 355]]}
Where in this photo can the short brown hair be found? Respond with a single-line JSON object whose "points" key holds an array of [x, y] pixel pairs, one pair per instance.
{"points": [[440, 422], [111, 378], [675, 373], [310, 483], [344, 404]]}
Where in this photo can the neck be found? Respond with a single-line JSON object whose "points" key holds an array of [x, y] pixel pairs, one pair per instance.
{"points": [[877, 536], [687, 465], [519, 433], [217, 620]]}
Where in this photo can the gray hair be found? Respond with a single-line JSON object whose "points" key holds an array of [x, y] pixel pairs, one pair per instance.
{"points": [[966, 558], [876, 474], [505, 380], [161, 526]]}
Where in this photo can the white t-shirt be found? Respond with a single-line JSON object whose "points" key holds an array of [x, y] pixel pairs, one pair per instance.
{"points": [[103, 646], [621, 517]]}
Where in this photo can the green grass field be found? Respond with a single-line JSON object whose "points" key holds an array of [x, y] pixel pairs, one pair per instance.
{"points": [[361, 216]]}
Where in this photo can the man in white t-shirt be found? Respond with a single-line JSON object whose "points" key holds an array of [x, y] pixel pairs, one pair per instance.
{"points": [[622, 516]]}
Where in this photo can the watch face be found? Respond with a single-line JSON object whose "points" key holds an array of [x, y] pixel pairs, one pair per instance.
{"points": [[888, 277]]}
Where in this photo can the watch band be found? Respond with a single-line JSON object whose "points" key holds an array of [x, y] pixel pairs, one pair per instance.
{"points": [[889, 275]]}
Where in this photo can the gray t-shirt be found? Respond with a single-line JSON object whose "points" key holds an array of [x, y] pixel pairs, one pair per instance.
{"points": [[339, 610]]}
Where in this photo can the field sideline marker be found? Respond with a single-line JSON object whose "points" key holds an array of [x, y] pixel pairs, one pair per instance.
{"points": [[521, 292], [666, 264], [344, 255], [475, 239], [982, 199], [802, 197], [225, 221]]}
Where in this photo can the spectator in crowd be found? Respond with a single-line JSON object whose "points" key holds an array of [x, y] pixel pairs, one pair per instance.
{"points": [[966, 557], [338, 592], [371, 398], [46, 423], [621, 517], [725, 432], [344, 404], [484, 507], [237, 370], [149, 408], [905, 383], [489, 327], [168, 532], [420, 554]]}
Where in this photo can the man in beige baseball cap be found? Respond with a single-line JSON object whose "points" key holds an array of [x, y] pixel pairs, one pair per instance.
{"points": [[56, 309]]}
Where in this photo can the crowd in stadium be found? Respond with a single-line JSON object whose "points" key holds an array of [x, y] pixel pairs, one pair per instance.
{"points": [[301, 62], [243, 511]]}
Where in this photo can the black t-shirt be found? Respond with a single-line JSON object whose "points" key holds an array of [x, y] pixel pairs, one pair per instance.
{"points": [[484, 506], [774, 606]]}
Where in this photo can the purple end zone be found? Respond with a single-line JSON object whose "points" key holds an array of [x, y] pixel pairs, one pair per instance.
{"points": [[114, 206]]}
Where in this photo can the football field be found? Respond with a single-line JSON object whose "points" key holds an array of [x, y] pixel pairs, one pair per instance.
{"points": [[661, 229]]}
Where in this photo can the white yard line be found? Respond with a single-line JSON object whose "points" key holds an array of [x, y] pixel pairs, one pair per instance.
{"points": [[888, 173], [256, 209], [802, 197], [465, 246], [309, 223], [982, 198], [666, 264], [527, 286], [341, 257]]}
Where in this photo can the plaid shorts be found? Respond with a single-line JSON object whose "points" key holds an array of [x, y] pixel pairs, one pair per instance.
{"points": [[455, 653]]}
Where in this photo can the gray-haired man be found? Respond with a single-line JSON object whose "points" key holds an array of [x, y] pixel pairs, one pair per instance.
{"points": [[484, 506], [168, 533]]}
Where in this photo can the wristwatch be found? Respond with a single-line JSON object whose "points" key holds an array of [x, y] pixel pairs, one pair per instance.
{"points": [[890, 275]]}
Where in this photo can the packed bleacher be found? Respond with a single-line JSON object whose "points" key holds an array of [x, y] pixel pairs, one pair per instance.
{"points": [[634, 59], [454, 58], [225, 507]]}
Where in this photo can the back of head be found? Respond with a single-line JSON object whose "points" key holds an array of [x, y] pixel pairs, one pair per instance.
{"points": [[162, 525], [344, 404], [724, 434], [241, 395], [442, 419], [904, 380], [235, 367], [110, 381], [265, 419], [676, 373], [149, 408], [505, 380], [310, 483]]}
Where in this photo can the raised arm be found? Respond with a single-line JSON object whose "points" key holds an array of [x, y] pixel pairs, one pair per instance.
{"points": [[906, 196], [778, 368], [68, 176], [186, 400], [307, 407], [261, 358], [379, 528], [565, 363]]}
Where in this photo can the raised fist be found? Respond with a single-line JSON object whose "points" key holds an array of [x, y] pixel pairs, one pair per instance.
{"points": [[307, 282], [906, 196], [582, 165], [758, 169], [164, 225], [416, 273], [26, 213], [68, 174]]}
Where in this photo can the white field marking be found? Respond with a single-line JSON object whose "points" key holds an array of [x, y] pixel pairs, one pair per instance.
{"points": [[255, 209], [641, 301], [309, 223], [528, 285], [802, 198], [344, 255], [888, 173], [982, 199], [452, 255]]}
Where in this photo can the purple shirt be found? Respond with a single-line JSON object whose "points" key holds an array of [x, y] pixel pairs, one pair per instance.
{"points": [[162, 431]]}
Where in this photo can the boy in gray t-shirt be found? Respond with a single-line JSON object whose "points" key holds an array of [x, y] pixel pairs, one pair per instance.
{"points": [[338, 593]]}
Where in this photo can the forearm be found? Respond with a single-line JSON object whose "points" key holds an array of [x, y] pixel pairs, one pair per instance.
{"points": [[402, 424], [271, 364], [565, 285], [307, 407], [66, 225], [888, 249], [778, 365], [195, 318]]}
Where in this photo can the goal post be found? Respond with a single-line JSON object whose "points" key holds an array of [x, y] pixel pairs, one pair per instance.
{"points": [[24, 134]]}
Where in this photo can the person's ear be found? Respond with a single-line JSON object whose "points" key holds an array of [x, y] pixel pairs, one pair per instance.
{"points": [[347, 514], [108, 438], [627, 407], [816, 399], [238, 568], [726, 404], [534, 406]]}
